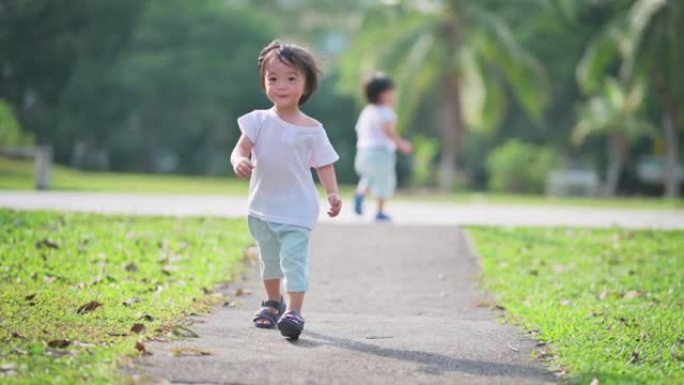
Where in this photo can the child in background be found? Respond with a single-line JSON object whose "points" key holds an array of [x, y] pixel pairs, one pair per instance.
{"points": [[277, 149], [377, 142]]}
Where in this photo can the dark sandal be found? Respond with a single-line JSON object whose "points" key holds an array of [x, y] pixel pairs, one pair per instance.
{"points": [[291, 325], [267, 315]]}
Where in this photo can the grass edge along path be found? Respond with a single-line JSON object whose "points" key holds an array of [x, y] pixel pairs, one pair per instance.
{"points": [[608, 302], [81, 293], [18, 175]]}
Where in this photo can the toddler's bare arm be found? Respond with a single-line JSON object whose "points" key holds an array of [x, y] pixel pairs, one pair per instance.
{"points": [[402, 144], [239, 158], [329, 181]]}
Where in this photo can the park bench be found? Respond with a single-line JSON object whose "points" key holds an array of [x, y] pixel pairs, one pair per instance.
{"points": [[572, 182], [42, 156]]}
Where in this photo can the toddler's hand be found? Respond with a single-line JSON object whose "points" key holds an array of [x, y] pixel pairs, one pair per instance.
{"points": [[243, 167], [335, 204], [405, 147]]}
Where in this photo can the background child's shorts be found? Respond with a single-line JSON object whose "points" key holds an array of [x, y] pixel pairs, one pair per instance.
{"points": [[283, 252], [376, 168]]}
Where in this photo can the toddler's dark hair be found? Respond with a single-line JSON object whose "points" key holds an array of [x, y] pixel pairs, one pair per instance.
{"points": [[292, 55], [376, 85]]}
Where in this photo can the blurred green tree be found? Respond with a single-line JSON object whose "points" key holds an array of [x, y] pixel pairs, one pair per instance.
{"points": [[51, 50], [614, 113], [457, 49], [645, 40], [187, 73], [11, 134], [147, 85], [519, 167]]}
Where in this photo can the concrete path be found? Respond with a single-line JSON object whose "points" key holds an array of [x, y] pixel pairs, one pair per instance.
{"points": [[388, 305], [404, 212]]}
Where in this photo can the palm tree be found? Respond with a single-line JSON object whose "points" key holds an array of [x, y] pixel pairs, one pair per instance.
{"points": [[646, 39], [456, 49], [614, 113]]}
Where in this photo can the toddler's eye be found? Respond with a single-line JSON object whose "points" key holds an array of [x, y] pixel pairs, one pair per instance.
{"points": [[271, 79], [292, 78]]}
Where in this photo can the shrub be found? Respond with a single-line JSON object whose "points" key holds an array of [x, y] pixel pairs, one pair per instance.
{"points": [[11, 133], [519, 167]]}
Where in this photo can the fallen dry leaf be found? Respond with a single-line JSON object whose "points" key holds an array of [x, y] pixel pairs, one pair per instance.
{"points": [[184, 331], [138, 328], [189, 351], [131, 301], [88, 307], [19, 351], [634, 357], [8, 368], [564, 302], [146, 317], [58, 353], [240, 292], [632, 294], [131, 267], [59, 344], [140, 347], [46, 243]]}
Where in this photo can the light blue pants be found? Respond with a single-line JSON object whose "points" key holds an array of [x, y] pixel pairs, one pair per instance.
{"points": [[283, 252], [376, 169]]}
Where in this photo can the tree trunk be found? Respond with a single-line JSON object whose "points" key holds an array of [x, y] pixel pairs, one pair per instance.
{"points": [[451, 127], [618, 146], [671, 177]]}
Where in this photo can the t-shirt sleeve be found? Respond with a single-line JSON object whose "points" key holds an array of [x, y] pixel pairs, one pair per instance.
{"points": [[322, 151], [387, 115], [250, 125]]}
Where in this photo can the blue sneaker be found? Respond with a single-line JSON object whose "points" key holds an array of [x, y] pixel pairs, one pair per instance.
{"points": [[358, 203], [382, 217]]}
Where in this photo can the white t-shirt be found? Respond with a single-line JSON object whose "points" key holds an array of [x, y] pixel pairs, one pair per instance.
{"points": [[281, 188], [369, 127]]}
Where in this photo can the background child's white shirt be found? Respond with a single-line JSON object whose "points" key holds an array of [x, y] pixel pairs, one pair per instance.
{"points": [[281, 189], [369, 127]]}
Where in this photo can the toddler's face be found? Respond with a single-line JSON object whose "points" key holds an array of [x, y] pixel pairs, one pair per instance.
{"points": [[388, 98], [284, 84]]}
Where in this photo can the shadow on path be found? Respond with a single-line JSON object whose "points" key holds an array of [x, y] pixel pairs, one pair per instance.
{"points": [[434, 363]]}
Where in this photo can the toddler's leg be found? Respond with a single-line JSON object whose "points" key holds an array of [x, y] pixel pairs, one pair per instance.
{"points": [[362, 187], [269, 262], [294, 255]]}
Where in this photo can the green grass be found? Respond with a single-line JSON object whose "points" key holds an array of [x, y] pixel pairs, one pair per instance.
{"points": [[18, 175], [51, 264], [609, 302]]}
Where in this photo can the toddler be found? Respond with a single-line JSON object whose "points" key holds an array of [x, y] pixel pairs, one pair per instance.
{"points": [[377, 142], [277, 149]]}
